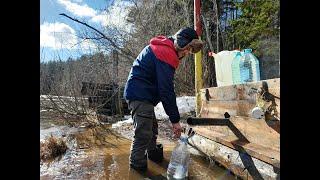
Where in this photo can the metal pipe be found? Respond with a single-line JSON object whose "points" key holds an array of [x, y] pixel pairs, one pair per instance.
{"points": [[208, 121]]}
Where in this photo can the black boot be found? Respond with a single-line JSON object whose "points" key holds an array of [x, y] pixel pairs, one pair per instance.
{"points": [[156, 155], [140, 168]]}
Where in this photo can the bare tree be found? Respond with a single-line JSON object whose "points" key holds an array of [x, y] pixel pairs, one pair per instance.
{"points": [[127, 53], [216, 10]]}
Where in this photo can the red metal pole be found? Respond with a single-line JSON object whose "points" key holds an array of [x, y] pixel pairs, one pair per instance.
{"points": [[197, 18]]}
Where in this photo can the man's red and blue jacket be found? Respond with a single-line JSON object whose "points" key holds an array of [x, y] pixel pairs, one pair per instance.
{"points": [[152, 74]]}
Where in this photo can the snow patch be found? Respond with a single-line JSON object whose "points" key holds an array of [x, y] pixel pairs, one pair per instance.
{"points": [[120, 123], [185, 104]]}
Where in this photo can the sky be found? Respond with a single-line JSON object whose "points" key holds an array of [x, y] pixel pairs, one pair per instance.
{"points": [[59, 36]]}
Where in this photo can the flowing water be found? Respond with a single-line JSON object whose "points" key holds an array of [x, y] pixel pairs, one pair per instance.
{"points": [[100, 153]]}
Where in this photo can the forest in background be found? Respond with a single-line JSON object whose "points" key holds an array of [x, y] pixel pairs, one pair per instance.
{"points": [[227, 25]]}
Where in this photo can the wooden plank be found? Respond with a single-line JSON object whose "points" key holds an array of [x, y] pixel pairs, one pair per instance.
{"points": [[239, 92], [240, 163], [266, 154], [233, 107], [263, 140], [260, 139], [255, 131]]}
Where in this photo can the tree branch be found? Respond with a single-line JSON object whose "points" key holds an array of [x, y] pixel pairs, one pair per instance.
{"points": [[128, 54], [208, 36]]}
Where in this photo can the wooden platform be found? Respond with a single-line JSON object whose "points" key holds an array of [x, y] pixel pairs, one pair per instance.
{"points": [[254, 145]]}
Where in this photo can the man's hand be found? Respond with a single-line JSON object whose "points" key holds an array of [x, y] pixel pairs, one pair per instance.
{"points": [[176, 129]]}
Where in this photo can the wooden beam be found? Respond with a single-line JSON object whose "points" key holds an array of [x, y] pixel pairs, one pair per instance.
{"points": [[259, 139], [236, 99], [240, 163]]}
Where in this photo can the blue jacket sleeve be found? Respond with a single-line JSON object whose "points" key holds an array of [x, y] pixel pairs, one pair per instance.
{"points": [[165, 76]]}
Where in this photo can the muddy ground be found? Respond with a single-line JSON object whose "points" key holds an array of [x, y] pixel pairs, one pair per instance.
{"points": [[102, 152]]}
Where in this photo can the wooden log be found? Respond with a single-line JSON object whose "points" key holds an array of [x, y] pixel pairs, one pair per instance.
{"points": [[48, 101]]}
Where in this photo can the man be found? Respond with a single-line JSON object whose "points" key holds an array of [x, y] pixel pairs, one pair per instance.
{"points": [[151, 81]]}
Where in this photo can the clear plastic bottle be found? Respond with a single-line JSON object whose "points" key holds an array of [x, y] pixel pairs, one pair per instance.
{"points": [[255, 67], [179, 162], [245, 68], [236, 69]]}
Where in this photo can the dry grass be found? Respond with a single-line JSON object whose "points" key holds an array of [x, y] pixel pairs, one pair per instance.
{"points": [[51, 148]]}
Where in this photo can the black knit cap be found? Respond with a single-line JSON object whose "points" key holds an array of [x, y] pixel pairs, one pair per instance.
{"points": [[184, 36]]}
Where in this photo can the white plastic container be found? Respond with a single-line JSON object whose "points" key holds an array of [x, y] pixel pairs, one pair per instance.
{"points": [[223, 65]]}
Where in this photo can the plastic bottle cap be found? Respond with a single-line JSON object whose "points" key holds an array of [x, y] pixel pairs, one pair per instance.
{"points": [[257, 113], [211, 54], [247, 50], [184, 138]]}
